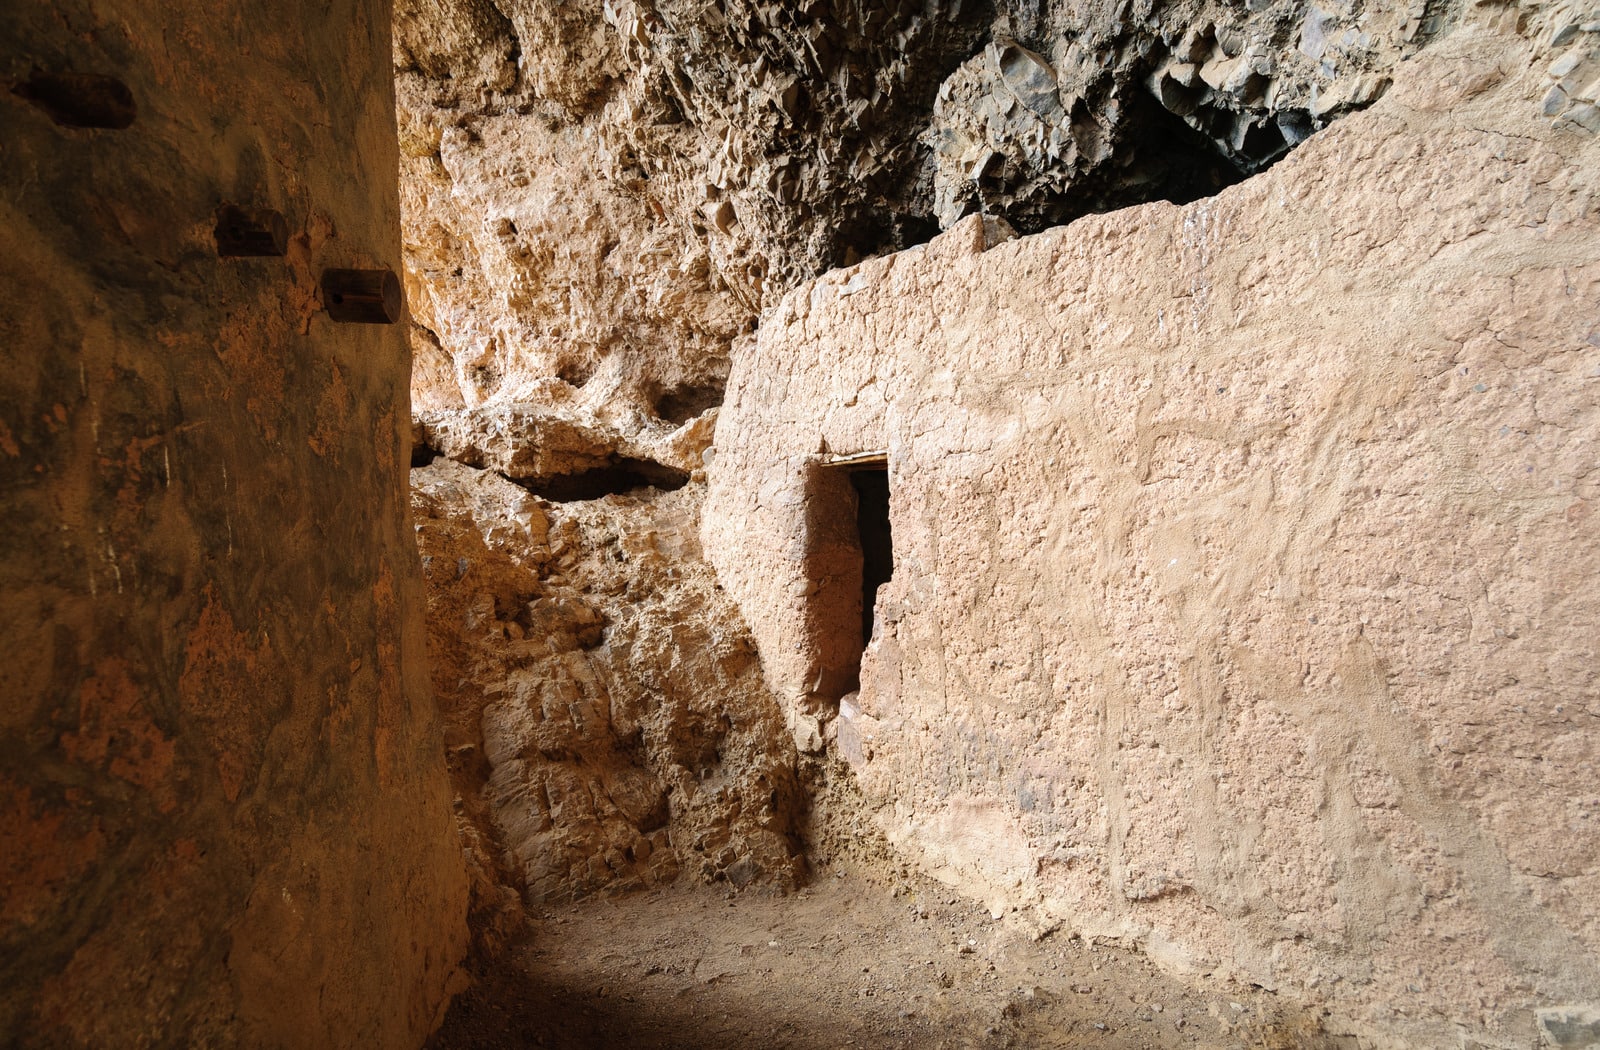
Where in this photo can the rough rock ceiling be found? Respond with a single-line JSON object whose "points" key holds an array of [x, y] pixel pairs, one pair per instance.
{"points": [[791, 138]]}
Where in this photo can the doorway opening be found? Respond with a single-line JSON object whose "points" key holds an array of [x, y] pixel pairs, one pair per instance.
{"points": [[877, 541], [849, 557]]}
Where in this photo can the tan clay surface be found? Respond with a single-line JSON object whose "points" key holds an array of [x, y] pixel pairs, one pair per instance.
{"points": [[1244, 603]]}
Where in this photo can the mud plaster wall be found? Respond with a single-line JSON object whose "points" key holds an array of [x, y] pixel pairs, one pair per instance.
{"points": [[222, 800], [1245, 596]]}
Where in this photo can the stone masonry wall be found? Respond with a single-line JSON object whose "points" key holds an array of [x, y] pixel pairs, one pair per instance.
{"points": [[1245, 599], [224, 814]]}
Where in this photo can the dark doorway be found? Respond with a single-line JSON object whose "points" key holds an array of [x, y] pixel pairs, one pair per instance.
{"points": [[877, 543], [848, 556]]}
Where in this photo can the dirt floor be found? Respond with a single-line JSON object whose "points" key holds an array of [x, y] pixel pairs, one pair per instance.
{"points": [[856, 960]]}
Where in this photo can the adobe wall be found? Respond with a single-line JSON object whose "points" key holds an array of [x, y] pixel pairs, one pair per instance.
{"points": [[1245, 597], [223, 805]]}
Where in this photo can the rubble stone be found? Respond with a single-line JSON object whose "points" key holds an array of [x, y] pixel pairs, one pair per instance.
{"points": [[605, 710]]}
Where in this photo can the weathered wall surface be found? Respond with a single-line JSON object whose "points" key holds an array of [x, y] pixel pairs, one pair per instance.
{"points": [[223, 807], [1245, 593]]}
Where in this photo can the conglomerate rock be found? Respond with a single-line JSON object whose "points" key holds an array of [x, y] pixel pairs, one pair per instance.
{"points": [[555, 447], [607, 722]]}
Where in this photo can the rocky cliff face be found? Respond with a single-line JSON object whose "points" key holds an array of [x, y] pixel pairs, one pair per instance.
{"points": [[601, 199], [607, 722], [1096, 697]]}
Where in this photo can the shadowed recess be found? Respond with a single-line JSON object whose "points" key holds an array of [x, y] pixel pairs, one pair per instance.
{"points": [[624, 475], [80, 100]]}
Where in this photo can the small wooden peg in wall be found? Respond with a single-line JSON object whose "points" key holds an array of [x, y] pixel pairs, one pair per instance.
{"points": [[243, 233], [362, 296]]}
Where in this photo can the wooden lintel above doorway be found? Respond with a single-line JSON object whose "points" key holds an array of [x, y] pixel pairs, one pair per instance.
{"points": [[857, 459]]}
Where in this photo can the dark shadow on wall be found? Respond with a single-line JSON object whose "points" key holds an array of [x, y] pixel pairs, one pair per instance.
{"points": [[625, 474], [877, 539], [849, 554]]}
